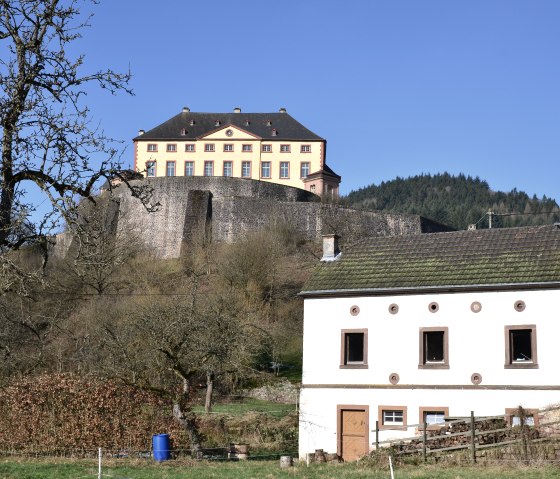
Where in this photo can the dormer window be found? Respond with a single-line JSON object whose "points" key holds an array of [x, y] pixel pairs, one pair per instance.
{"points": [[247, 122], [191, 122], [274, 132], [268, 123], [217, 123], [183, 131]]}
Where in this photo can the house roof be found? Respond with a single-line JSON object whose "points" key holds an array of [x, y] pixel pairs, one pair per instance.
{"points": [[491, 258], [259, 124]]}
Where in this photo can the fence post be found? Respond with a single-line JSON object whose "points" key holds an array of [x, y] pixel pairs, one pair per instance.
{"points": [[376, 436], [99, 468], [473, 437], [424, 440]]}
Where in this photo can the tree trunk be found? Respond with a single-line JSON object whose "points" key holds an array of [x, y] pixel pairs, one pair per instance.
{"points": [[209, 391], [187, 419]]}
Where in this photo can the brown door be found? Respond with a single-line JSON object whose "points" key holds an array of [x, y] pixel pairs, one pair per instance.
{"points": [[353, 433]]}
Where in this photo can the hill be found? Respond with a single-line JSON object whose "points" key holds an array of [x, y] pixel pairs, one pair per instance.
{"points": [[456, 201]]}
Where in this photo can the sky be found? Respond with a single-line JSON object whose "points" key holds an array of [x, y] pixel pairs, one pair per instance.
{"points": [[396, 87]]}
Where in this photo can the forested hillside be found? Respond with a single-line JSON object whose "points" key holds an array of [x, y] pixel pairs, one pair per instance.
{"points": [[456, 201]]}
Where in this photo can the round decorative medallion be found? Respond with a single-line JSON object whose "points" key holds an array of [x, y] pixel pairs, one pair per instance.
{"points": [[394, 378], [476, 307], [433, 307], [394, 308], [229, 132], [476, 378], [354, 310], [519, 305]]}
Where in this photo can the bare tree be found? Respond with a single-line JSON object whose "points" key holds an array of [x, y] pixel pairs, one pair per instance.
{"points": [[48, 141]]}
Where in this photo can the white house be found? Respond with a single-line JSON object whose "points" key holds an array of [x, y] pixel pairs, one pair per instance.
{"points": [[411, 329]]}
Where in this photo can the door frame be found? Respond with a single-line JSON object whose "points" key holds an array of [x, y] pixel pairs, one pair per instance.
{"points": [[351, 407]]}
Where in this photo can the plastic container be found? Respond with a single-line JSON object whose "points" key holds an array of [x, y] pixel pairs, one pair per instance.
{"points": [[161, 447]]}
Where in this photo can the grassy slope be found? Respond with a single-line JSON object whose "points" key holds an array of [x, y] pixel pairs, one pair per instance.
{"points": [[31, 469]]}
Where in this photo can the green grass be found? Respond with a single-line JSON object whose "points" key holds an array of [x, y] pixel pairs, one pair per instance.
{"points": [[128, 469], [273, 409]]}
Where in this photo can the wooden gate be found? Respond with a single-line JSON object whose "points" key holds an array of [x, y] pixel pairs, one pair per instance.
{"points": [[353, 432]]}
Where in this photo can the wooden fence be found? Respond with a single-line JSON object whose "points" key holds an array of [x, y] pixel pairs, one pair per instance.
{"points": [[475, 433]]}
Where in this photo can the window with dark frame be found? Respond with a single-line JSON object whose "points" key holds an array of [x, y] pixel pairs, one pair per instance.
{"points": [[171, 148], [354, 349], [284, 148], [521, 347], [152, 147], [209, 147], [514, 416], [434, 348], [228, 147], [305, 149], [266, 148], [392, 417], [189, 147], [247, 148]]}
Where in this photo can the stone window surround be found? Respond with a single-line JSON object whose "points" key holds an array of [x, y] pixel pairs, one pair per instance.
{"points": [[394, 427], [343, 353], [509, 362], [422, 362]]}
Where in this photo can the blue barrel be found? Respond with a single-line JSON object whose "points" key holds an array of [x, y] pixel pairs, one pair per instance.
{"points": [[161, 446]]}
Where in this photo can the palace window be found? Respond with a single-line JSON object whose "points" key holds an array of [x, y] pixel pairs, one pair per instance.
{"points": [[152, 147], [265, 169], [353, 353], [284, 169], [228, 147], [305, 149], [209, 147], [304, 170], [189, 168], [171, 148], [246, 169], [284, 148], [208, 168], [190, 147], [151, 169], [247, 148], [228, 168], [170, 168], [267, 148]]}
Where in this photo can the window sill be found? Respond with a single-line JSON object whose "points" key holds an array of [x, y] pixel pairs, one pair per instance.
{"points": [[521, 366], [433, 366], [392, 428], [353, 366]]}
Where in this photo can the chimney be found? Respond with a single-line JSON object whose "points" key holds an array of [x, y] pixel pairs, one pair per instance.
{"points": [[282, 110], [237, 110], [186, 109], [141, 132], [330, 248]]}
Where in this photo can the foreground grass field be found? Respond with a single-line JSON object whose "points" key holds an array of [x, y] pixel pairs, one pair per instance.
{"points": [[66, 469]]}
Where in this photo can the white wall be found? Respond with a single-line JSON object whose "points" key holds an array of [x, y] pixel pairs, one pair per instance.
{"points": [[476, 345]]}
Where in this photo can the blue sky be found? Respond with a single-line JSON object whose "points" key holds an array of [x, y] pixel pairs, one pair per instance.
{"points": [[397, 88]]}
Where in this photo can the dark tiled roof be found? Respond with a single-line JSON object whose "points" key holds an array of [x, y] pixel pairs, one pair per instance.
{"points": [[481, 258], [287, 128]]}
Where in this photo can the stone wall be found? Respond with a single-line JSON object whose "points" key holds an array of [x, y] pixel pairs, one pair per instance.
{"points": [[225, 209]]}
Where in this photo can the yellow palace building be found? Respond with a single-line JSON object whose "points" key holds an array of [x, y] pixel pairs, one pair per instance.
{"points": [[271, 147]]}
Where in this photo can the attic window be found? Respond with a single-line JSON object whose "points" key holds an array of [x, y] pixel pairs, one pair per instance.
{"points": [[268, 123], [247, 122], [274, 132], [217, 123], [183, 131], [192, 122]]}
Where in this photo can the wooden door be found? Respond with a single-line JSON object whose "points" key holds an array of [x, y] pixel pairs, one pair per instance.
{"points": [[353, 432]]}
